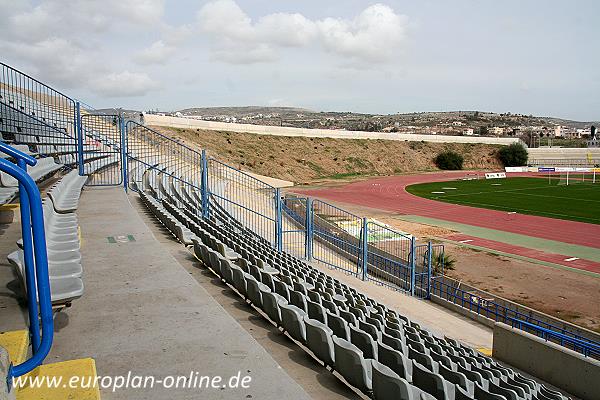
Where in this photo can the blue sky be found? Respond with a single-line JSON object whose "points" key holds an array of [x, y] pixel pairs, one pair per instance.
{"points": [[532, 57]]}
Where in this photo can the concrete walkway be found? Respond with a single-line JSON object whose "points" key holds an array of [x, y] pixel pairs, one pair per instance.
{"points": [[142, 312]]}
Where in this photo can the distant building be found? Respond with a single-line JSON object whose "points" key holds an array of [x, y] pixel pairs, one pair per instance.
{"points": [[468, 132], [457, 123], [558, 131], [497, 130]]}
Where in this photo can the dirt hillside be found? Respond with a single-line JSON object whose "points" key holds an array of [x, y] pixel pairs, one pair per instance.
{"points": [[304, 160]]}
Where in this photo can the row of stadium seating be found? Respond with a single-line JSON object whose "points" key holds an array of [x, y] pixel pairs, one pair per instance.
{"points": [[375, 349], [62, 240]]}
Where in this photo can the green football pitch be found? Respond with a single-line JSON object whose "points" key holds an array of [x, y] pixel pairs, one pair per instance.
{"points": [[536, 196]]}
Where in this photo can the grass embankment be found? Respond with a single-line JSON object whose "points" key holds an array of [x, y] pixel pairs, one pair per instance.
{"points": [[303, 160]]}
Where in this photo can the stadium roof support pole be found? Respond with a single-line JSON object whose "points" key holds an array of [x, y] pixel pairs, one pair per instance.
{"points": [[309, 229], [365, 248]]}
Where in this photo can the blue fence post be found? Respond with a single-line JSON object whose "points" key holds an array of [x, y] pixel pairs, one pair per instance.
{"points": [[204, 185], [30, 281], [429, 257], [413, 265], [124, 166], [365, 248], [278, 220], [79, 137], [308, 243]]}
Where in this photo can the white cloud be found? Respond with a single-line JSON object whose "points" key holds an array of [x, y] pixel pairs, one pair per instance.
{"points": [[124, 84], [157, 53], [372, 37], [69, 45]]}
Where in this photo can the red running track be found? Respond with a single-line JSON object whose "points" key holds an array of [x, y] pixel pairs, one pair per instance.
{"points": [[389, 194]]}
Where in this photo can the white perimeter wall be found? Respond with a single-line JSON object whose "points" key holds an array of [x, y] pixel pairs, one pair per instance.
{"points": [[188, 123]]}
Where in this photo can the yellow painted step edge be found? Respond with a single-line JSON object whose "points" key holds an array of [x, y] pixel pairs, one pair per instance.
{"points": [[17, 345], [85, 388]]}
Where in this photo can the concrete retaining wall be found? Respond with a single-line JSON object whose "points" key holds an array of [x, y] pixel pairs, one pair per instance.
{"points": [[552, 363], [189, 123]]}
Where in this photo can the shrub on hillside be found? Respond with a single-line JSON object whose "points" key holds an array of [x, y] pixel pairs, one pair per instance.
{"points": [[514, 155], [449, 160]]}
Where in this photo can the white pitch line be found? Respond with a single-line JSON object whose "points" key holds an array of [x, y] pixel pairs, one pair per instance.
{"points": [[571, 259], [466, 241]]}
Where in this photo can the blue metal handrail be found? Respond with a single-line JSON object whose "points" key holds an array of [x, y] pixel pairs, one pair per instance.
{"points": [[34, 247], [498, 312]]}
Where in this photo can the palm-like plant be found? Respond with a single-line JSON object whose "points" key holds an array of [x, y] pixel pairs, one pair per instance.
{"points": [[442, 262]]}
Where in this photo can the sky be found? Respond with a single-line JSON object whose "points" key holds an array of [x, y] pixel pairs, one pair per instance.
{"points": [[531, 57]]}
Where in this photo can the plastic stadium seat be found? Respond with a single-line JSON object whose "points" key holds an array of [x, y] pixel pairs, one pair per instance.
{"points": [[351, 364], [318, 340], [364, 342], [395, 360], [55, 270], [254, 289], [458, 378], [292, 320], [338, 325], [387, 385], [316, 311], [66, 193], [432, 383], [271, 306]]}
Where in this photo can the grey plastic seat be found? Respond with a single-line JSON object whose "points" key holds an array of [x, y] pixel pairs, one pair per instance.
{"points": [[423, 359], [364, 342], [509, 394], [338, 325], [292, 321], [281, 289], [394, 360], [394, 343], [483, 394], [318, 340], [462, 394], [239, 281], [66, 193], [370, 329], [254, 288], [441, 359], [458, 378], [227, 270], [316, 311], [348, 316], [432, 383], [298, 299], [59, 270], [473, 376], [65, 290], [351, 364], [271, 306], [387, 385]]}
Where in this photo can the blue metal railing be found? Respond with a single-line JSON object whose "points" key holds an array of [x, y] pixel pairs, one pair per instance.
{"points": [[499, 313], [36, 260]]}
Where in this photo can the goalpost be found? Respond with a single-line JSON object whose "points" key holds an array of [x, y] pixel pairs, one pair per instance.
{"points": [[578, 177]]}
